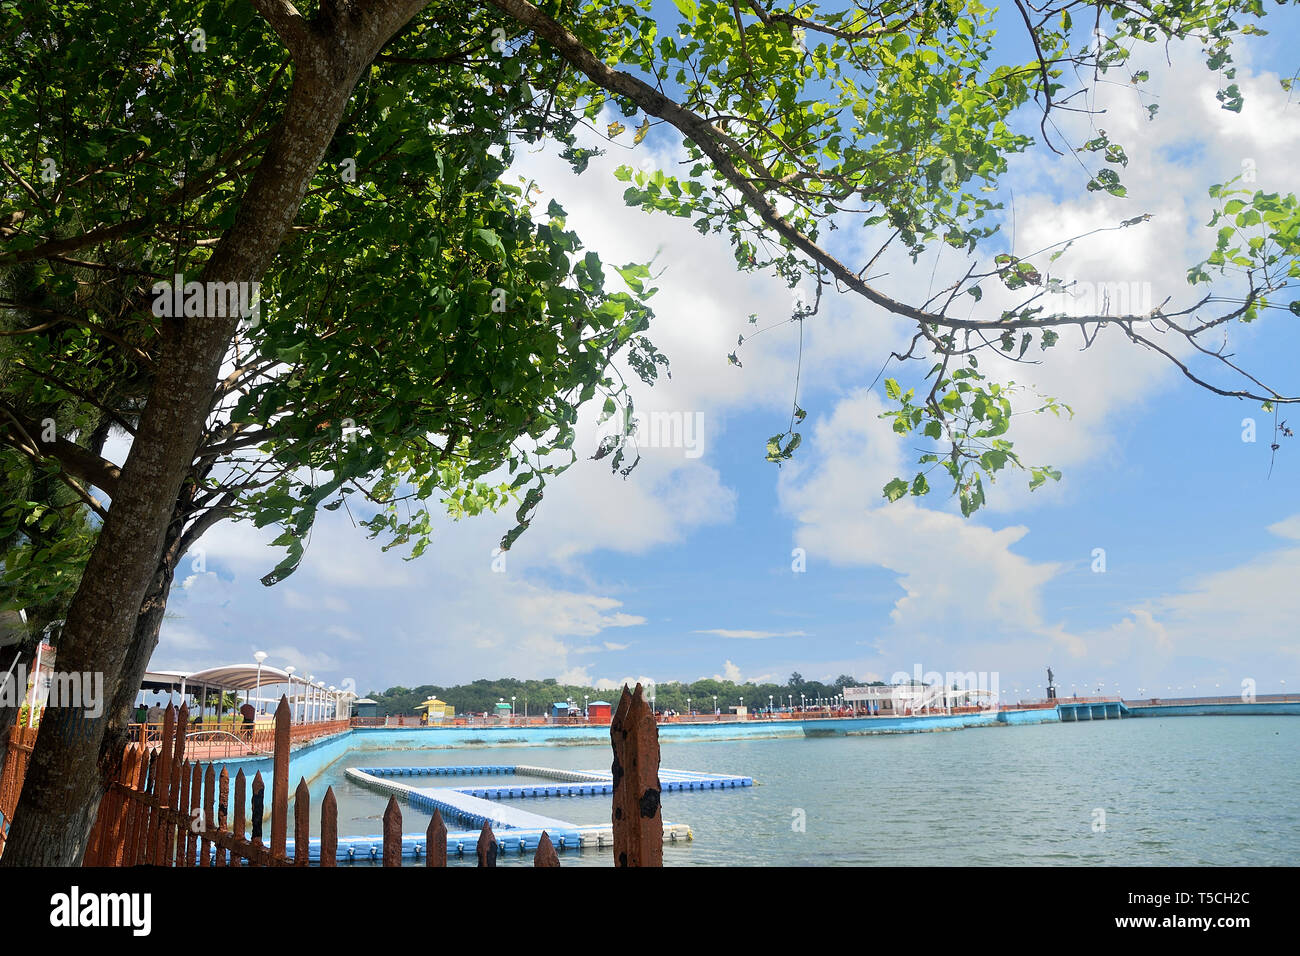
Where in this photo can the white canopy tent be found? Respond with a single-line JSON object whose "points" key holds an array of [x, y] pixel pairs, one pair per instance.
{"points": [[309, 700]]}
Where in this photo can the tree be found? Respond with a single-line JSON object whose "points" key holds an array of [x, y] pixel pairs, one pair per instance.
{"points": [[142, 146], [394, 407]]}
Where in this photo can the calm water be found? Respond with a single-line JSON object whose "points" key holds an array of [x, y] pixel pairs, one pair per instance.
{"points": [[1182, 791]]}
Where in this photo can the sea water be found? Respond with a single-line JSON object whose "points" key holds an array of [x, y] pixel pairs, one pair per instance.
{"points": [[1162, 791]]}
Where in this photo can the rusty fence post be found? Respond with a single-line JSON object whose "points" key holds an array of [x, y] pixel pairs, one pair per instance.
{"points": [[280, 783], [435, 842], [223, 806], [487, 846], [392, 833], [301, 824], [195, 824], [329, 829], [241, 820], [209, 819], [545, 855], [638, 822], [258, 855]]}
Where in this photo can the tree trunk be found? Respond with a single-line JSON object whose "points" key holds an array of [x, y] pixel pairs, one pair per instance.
{"points": [[120, 706], [64, 779]]}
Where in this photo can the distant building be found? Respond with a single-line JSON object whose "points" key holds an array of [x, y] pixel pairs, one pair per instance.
{"points": [[560, 709], [913, 697], [600, 710], [365, 707], [437, 709]]}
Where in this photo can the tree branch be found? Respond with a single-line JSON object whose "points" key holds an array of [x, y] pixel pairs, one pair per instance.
{"points": [[26, 435], [289, 25]]}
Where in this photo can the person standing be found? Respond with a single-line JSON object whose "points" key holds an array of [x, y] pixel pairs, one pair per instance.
{"points": [[249, 715], [153, 719]]}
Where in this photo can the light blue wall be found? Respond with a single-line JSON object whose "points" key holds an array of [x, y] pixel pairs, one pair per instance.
{"points": [[311, 760], [923, 724], [1214, 710]]}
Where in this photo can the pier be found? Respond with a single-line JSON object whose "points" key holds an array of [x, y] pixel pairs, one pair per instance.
{"points": [[1052, 711]]}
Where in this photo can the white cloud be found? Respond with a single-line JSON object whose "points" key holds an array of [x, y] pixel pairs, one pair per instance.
{"points": [[946, 565], [1228, 619], [575, 676], [605, 683], [751, 635], [206, 588], [298, 601]]}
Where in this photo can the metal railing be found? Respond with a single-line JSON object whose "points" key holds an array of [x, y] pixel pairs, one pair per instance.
{"points": [[809, 713], [215, 740]]}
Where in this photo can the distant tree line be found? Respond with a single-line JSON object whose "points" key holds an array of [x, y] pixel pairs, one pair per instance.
{"points": [[536, 696]]}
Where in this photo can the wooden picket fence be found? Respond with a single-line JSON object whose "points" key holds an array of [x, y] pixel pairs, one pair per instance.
{"points": [[22, 740], [165, 810]]}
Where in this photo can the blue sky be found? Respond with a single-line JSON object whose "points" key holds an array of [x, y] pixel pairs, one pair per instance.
{"points": [[685, 570]]}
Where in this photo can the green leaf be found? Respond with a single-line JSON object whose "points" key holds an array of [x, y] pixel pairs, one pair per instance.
{"points": [[896, 489]]}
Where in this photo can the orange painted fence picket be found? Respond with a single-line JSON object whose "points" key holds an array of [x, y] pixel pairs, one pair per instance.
{"points": [[166, 810], [21, 742]]}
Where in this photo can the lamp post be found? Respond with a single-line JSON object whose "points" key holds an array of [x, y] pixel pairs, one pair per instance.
{"points": [[292, 707], [715, 705], [306, 699], [259, 657], [334, 699], [512, 707]]}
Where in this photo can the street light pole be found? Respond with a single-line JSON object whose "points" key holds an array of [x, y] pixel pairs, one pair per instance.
{"points": [[259, 657]]}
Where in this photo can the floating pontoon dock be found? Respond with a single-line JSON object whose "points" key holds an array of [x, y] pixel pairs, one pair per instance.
{"points": [[517, 830]]}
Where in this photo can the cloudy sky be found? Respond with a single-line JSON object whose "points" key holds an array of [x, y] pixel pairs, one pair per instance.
{"points": [[709, 561]]}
